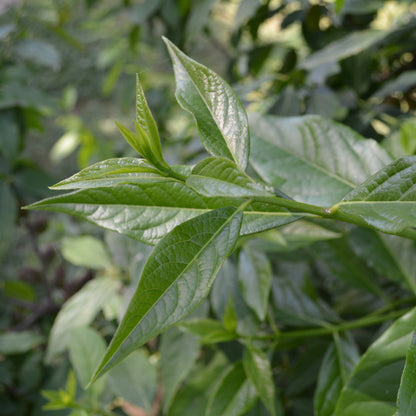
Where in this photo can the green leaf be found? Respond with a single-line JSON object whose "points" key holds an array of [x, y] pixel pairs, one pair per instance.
{"points": [[230, 318], [298, 156], [217, 176], [210, 331], [144, 211], [178, 353], [406, 405], [339, 258], [351, 44], [258, 370], [78, 311], [86, 347], [386, 201], [293, 305], [40, 53], [147, 211], [255, 278], [10, 139], [8, 216], [234, 395], [226, 286], [391, 256], [144, 145], [338, 363], [19, 342], [146, 121], [112, 172], [176, 278], [402, 83], [192, 398], [373, 385], [199, 17], [135, 380], [86, 251], [220, 117]]}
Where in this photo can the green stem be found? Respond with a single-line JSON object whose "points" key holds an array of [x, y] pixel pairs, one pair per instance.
{"points": [[331, 329]]}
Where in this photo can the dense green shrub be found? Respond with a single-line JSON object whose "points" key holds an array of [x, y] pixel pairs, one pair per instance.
{"points": [[305, 288]]}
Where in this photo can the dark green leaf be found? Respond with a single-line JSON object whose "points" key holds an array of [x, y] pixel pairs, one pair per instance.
{"points": [[406, 404], [217, 176], [372, 387], [298, 156], [10, 136], [147, 211], [391, 256], [210, 331], [176, 278], [8, 215], [234, 395], [338, 363], [258, 370], [387, 200], [219, 114], [292, 304]]}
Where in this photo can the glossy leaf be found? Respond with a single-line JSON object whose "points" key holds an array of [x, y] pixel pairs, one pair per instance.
{"points": [[219, 115], [234, 395], [147, 211], [372, 387], [338, 363], [387, 200], [175, 279], [78, 311], [255, 278], [178, 353], [217, 176], [258, 370], [298, 156], [406, 399], [145, 119], [112, 172]]}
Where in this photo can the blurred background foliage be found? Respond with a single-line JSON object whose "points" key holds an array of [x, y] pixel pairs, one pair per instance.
{"points": [[67, 73]]}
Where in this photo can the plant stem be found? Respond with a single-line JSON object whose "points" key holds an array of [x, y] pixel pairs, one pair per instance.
{"points": [[331, 329]]}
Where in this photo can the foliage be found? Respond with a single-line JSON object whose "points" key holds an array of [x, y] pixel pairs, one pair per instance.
{"points": [[194, 239], [282, 279]]}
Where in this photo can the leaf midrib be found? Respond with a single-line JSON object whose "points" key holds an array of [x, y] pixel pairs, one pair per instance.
{"points": [[229, 219], [209, 110]]}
